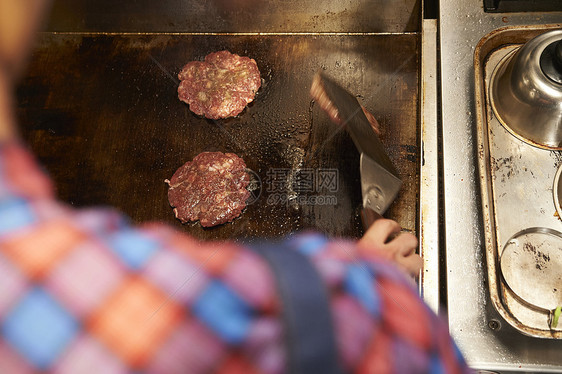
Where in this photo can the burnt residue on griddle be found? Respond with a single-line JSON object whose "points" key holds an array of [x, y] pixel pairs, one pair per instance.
{"points": [[542, 259], [410, 152], [557, 156], [504, 168]]}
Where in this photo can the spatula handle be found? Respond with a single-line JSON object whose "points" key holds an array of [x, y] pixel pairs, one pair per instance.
{"points": [[368, 217]]}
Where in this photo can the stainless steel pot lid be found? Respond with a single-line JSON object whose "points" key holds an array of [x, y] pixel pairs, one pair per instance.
{"points": [[531, 265], [526, 91]]}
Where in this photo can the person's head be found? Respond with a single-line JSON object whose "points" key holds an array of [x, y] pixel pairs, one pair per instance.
{"points": [[19, 20]]}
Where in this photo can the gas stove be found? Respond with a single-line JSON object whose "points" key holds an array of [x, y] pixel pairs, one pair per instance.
{"points": [[486, 336]]}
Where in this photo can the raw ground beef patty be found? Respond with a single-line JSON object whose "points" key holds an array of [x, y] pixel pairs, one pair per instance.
{"points": [[219, 87], [211, 189]]}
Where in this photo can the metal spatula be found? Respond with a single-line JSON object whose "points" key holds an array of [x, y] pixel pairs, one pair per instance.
{"points": [[379, 178]]}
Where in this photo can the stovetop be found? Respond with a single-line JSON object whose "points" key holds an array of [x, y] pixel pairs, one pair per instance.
{"points": [[522, 226], [485, 338]]}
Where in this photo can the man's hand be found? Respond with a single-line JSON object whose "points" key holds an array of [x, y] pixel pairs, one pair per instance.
{"points": [[385, 239]]}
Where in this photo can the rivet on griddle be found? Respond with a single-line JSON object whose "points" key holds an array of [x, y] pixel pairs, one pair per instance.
{"points": [[494, 324]]}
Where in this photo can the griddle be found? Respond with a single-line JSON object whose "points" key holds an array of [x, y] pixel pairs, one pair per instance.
{"points": [[100, 110]]}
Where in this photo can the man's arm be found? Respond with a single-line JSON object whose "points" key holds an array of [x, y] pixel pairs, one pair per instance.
{"points": [[19, 21]]}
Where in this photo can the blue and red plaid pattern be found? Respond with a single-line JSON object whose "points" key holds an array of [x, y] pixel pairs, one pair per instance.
{"points": [[83, 291]]}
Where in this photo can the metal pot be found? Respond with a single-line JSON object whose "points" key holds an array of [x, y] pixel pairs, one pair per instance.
{"points": [[526, 91]]}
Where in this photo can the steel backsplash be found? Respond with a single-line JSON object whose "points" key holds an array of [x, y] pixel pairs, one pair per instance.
{"points": [[380, 16]]}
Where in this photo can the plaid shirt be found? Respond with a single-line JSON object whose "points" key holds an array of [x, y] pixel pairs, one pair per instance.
{"points": [[84, 291]]}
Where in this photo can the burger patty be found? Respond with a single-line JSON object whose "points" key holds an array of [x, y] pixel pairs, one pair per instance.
{"points": [[219, 87], [211, 189]]}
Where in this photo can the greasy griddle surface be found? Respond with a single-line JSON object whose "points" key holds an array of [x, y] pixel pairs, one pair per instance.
{"points": [[102, 114]]}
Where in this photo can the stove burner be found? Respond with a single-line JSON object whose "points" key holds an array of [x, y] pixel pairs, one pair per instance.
{"points": [[531, 265], [551, 61]]}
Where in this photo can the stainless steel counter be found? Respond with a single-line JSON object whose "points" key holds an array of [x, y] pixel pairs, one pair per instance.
{"points": [[485, 339]]}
